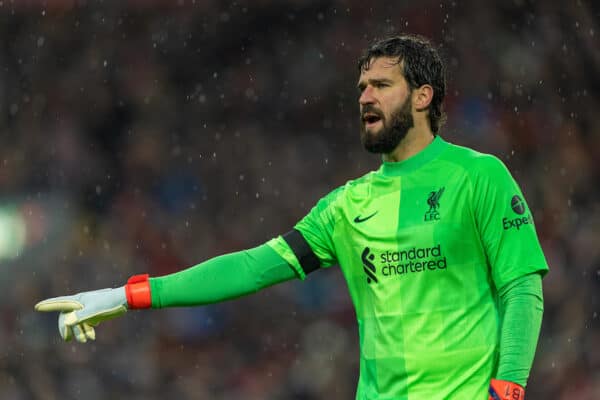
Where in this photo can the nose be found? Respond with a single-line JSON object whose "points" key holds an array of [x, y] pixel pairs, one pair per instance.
{"points": [[366, 97]]}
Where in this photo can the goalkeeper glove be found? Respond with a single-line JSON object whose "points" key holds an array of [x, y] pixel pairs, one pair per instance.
{"points": [[80, 313], [505, 390]]}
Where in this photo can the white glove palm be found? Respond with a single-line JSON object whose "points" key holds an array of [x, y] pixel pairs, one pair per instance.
{"points": [[80, 313]]}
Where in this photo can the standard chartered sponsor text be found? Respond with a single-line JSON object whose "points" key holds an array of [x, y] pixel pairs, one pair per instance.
{"points": [[416, 259]]}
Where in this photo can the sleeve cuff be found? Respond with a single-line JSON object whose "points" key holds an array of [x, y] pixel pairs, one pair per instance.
{"points": [[137, 291]]}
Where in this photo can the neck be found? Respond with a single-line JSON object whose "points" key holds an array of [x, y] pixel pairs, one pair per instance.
{"points": [[416, 139]]}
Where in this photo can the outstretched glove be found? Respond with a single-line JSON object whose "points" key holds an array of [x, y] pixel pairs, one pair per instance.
{"points": [[80, 313], [505, 390]]}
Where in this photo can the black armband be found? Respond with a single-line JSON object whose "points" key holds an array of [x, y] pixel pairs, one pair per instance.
{"points": [[308, 260]]}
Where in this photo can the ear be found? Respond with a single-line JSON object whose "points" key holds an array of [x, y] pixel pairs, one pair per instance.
{"points": [[422, 97]]}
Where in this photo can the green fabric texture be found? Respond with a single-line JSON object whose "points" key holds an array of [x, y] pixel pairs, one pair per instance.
{"points": [[221, 278], [522, 306]]}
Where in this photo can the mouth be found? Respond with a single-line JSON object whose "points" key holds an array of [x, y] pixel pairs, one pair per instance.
{"points": [[370, 119]]}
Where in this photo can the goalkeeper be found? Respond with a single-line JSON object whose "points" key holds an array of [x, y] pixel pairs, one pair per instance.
{"points": [[437, 246]]}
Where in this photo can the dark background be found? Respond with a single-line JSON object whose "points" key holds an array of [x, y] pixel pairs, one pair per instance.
{"points": [[147, 136]]}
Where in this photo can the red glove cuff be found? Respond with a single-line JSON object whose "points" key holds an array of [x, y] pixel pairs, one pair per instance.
{"points": [[505, 390], [137, 291]]}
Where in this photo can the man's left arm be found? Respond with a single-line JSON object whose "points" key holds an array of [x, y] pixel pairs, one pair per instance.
{"points": [[522, 307], [517, 264]]}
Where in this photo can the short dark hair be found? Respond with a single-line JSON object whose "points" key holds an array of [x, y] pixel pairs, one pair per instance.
{"points": [[422, 65]]}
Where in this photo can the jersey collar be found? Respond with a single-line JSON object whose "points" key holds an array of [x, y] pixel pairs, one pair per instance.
{"points": [[410, 164]]}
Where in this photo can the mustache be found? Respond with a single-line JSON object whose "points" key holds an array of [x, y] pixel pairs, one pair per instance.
{"points": [[370, 109]]}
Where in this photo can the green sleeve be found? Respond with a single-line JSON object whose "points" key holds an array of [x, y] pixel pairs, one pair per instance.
{"points": [[522, 308], [221, 278], [505, 223]]}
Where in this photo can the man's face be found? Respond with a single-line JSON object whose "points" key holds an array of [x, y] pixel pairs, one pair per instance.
{"points": [[385, 106]]}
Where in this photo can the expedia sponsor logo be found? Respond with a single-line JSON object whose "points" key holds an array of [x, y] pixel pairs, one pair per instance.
{"points": [[516, 223], [518, 204], [403, 262], [519, 207]]}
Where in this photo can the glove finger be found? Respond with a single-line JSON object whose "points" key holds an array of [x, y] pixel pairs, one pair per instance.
{"points": [[65, 331], [79, 333], [89, 331], [63, 303], [70, 318]]}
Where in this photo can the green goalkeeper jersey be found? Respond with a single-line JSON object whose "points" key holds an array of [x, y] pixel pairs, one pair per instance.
{"points": [[424, 245]]}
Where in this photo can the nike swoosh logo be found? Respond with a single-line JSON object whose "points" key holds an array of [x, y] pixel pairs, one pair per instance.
{"points": [[358, 219]]}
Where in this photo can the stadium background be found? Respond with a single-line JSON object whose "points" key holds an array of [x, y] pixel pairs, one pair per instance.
{"points": [[150, 136]]}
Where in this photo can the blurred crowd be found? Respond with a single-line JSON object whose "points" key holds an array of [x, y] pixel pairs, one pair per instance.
{"points": [[148, 136]]}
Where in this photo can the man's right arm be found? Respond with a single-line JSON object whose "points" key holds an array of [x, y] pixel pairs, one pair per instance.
{"points": [[217, 279], [221, 278], [304, 249]]}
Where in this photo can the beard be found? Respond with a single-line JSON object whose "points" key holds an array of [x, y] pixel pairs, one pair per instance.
{"points": [[390, 134]]}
